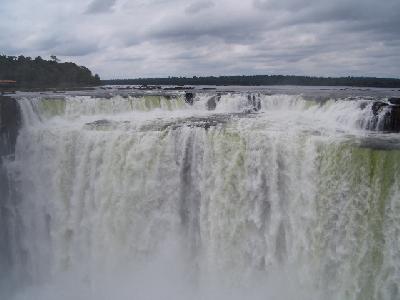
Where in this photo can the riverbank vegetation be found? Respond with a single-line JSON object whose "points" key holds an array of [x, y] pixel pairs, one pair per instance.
{"points": [[263, 80], [38, 72]]}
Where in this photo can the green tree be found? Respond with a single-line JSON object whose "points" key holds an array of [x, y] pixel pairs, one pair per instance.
{"points": [[44, 73], [54, 58]]}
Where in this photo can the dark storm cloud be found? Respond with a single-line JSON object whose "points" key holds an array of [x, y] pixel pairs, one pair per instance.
{"points": [[100, 6], [124, 38], [358, 14]]}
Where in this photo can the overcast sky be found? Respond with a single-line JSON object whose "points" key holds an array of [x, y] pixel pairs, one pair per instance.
{"points": [[142, 38]]}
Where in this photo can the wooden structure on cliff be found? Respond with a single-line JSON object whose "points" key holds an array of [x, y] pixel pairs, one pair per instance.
{"points": [[7, 82], [6, 85]]}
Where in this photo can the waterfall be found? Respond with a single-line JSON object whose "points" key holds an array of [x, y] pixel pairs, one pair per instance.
{"points": [[258, 196]]}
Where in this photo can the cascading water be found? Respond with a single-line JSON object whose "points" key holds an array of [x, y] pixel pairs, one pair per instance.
{"points": [[148, 197]]}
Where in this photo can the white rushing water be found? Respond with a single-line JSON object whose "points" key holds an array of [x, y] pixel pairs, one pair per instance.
{"points": [[152, 198]]}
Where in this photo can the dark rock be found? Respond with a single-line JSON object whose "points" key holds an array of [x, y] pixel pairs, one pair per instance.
{"points": [[377, 107], [254, 102], [189, 97], [212, 102], [385, 117], [148, 87], [394, 101], [100, 122], [9, 125], [393, 122], [178, 88]]}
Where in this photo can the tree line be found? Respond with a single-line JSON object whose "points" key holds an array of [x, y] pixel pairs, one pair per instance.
{"points": [[263, 80], [39, 72]]}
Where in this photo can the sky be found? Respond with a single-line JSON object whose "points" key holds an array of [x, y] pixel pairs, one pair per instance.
{"points": [[158, 38]]}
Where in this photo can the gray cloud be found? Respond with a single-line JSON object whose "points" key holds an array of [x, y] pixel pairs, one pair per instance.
{"points": [[100, 6], [357, 14], [198, 6], [69, 48]]}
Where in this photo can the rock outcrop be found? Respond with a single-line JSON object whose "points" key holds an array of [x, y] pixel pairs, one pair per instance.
{"points": [[386, 116], [9, 125], [189, 98], [254, 102], [394, 101]]}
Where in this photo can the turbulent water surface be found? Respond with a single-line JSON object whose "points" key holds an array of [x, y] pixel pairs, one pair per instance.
{"points": [[242, 195]]}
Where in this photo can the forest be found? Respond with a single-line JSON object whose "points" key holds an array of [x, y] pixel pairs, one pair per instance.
{"points": [[263, 80], [38, 72]]}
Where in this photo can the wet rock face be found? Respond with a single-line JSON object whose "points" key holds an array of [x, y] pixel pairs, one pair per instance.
{"points": [[386, 116], [189, 97], [377, 107], [9, 124], [394, 101], [394, 119], [254, 102]]}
